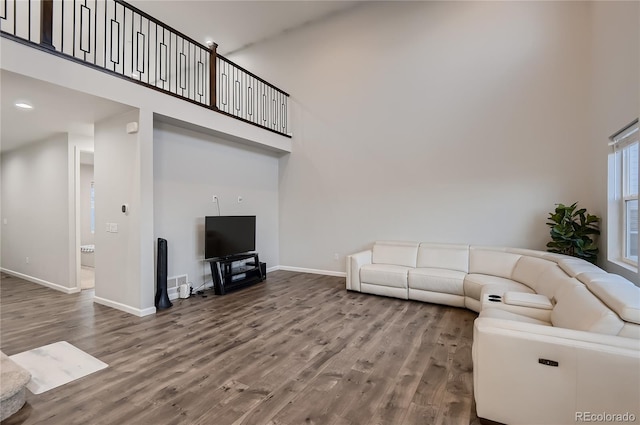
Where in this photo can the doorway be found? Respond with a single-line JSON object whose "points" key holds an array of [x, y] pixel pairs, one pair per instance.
{"points": [[87, 221]]}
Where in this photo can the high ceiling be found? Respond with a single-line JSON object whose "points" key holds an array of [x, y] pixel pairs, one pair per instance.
{"points": [[231, 24], [236, 24]]}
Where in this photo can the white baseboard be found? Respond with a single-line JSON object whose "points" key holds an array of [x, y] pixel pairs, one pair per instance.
{"points": [[147, 311], [313, 271], [123, 307], [42, 282]]}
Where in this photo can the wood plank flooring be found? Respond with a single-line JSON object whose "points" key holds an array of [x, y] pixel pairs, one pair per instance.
{"points": [[296, 349]]}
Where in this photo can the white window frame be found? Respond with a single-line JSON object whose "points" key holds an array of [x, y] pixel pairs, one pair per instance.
{"points": [[619, 194], [627, 196]]}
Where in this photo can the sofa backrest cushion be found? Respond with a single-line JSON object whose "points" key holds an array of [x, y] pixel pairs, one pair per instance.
{"points": [[399, 253], [575, 266], [527, 252], [577, 308], [529, 269], [551, 256], [620, 295], [444, 256], [555, 257], [492, 261], [552, 279]]}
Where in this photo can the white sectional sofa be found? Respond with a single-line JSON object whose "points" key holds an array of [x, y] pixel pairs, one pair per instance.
{"points": [[557, 339]]}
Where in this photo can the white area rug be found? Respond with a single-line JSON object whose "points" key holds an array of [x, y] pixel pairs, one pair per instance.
{"points": [[56, 364]]}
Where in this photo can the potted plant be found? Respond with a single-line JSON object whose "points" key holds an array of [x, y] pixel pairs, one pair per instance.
{"points": [[573, 232]]}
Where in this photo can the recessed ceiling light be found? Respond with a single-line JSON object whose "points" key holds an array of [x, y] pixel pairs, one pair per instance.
{"points": [[23, 105]]}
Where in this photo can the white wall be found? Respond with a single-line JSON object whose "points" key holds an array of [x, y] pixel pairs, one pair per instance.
{"points": [[191, 167], [35, 194], [124, 260], [437, 121], [615, 87]]}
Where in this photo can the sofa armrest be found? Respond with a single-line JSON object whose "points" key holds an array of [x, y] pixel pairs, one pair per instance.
{"points": [[534, 374], [354, 263], [501, 303], [493, 289]]}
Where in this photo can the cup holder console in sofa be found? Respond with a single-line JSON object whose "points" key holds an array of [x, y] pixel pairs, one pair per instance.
{"points": [[556, 336]]}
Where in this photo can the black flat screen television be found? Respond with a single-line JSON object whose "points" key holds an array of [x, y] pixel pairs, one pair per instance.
{"points": [[229, 235]]}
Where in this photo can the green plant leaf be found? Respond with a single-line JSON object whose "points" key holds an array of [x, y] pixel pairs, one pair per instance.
{"points": [[592, 219], [571, 231]]}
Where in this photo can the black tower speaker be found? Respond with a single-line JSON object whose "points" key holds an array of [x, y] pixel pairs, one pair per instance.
{"points": [[162, 297]]}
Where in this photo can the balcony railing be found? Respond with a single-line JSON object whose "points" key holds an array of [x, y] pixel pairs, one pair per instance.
{"points": [[246, 96], [116, 37]]}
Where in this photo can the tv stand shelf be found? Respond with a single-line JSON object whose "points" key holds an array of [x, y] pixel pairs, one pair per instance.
{"points": [[228, 277]]}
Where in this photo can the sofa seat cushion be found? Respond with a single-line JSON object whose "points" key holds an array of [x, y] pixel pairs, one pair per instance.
{"points": [[385, 275], [437, 280], [474, 282], [498, 313]]}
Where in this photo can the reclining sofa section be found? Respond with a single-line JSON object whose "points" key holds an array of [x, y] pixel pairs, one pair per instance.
{"points": [[557, 339]]}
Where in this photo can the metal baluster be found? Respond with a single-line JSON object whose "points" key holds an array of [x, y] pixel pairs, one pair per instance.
{"points": [[95, 32], [148, 48], [74, 28], [61, 31], [157, 58]]}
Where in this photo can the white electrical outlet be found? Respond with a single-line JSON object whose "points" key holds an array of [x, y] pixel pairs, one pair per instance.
{"points": [[336, 256], [26, 260]]}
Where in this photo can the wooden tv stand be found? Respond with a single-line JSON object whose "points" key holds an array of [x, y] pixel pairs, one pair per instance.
{"points": [[227, 277]]}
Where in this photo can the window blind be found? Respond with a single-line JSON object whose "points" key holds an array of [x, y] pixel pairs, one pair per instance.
{"points": [[626, 136]]}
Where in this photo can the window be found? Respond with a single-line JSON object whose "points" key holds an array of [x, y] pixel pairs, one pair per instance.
{"points": [[623, 196], [630, 201]]}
